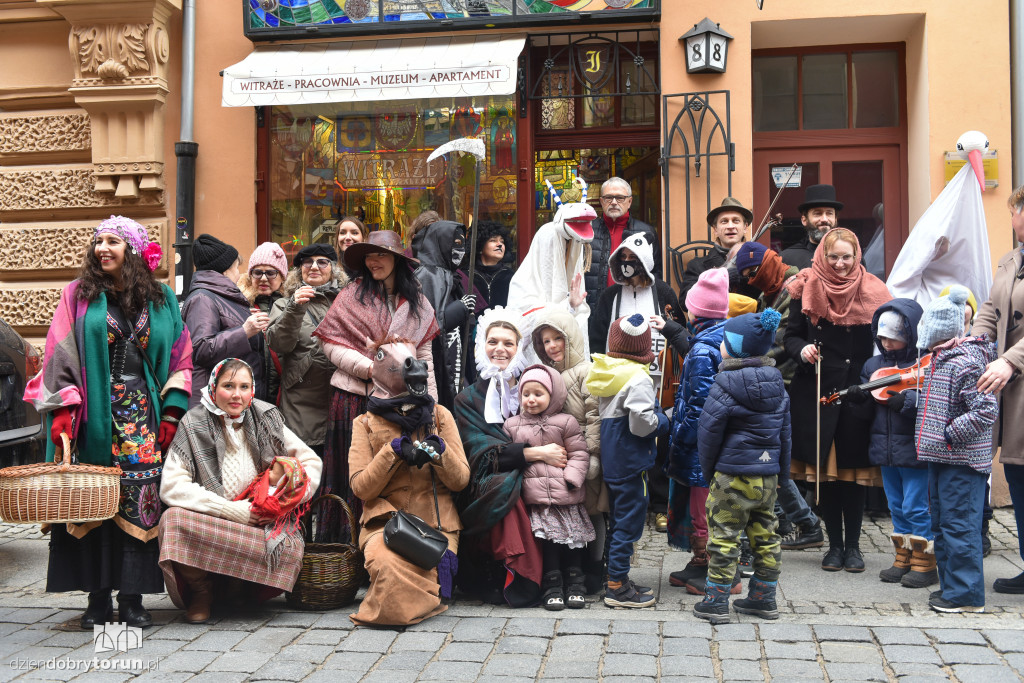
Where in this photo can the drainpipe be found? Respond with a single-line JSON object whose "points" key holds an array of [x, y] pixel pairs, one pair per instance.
{"points": [[1016, 88], [186, 151]]}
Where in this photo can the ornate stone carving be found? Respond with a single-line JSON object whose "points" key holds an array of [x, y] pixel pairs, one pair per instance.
{"points": [[27, 134], [48, 247], [29, 307], [121, 54], [62, 190], [112, 51]]}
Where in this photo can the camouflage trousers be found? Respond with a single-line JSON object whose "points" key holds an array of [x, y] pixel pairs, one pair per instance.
{"points": [[737, 503]]}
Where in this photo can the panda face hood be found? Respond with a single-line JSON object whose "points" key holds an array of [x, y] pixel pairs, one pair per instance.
{"points": [[621, 269]]}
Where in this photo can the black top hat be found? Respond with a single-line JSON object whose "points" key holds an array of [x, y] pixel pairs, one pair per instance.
{"points": [[819, 195], [379, 241], [730, 204]]}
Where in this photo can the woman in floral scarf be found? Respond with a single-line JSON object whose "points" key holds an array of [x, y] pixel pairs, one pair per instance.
{"points": [[116, 376], [236, 482]]}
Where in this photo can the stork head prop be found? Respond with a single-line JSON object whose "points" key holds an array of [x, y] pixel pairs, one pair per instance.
{"points": [[574, 218], [972, 145]]}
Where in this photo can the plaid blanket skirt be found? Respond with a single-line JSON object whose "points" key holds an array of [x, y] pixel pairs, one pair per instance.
{"points": [[223, 547]]}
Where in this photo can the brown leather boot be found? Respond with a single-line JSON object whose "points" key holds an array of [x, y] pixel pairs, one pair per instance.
{"points": [[923, 567], [201, 586], [696, 568], [902, 563]]}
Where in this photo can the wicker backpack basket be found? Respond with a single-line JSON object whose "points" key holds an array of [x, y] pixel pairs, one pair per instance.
{"points": [[331, 573], [59, 492]]}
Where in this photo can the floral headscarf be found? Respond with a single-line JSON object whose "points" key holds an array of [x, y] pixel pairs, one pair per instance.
{"points": [[135, 236], [208, 402]]}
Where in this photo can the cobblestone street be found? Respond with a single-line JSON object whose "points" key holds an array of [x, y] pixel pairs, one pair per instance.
{"points": [[833, 627]]}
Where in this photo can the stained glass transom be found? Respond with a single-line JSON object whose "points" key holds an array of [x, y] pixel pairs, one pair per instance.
{"points": [[283, 14]]}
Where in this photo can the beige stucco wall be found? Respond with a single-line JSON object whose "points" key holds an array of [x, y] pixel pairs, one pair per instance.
{"points": [[958, 78]]}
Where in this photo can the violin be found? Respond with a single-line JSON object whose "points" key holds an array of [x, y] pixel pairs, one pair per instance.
{"points": [[886, 380]]}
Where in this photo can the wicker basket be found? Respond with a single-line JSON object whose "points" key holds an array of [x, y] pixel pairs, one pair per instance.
{"points": [[58, 492], [331, 572]]}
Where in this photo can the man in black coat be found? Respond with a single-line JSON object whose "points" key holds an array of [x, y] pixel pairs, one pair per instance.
{"points": [[818, 215], [610, 228], [729, 224]]}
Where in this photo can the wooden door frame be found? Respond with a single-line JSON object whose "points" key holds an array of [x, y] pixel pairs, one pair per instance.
{"points": [[894, 194]]}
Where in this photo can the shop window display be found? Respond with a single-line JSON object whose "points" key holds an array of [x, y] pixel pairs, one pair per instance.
{"points": [[370, 160], [561, 166]]}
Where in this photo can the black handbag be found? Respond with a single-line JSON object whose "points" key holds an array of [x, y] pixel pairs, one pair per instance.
{"points": [[414, 539]]}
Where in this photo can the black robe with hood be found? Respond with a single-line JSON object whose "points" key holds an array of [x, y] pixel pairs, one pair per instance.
{"points": [[440, 248]]}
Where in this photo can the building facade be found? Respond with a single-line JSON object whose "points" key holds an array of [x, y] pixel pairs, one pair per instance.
{"points": [[310, 110]]}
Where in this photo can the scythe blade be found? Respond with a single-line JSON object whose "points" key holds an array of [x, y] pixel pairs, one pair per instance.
{"points": [[474, 146]]}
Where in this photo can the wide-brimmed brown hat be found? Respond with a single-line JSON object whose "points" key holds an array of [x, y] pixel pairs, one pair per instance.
{"points": [[380, 242], [730, 204]]}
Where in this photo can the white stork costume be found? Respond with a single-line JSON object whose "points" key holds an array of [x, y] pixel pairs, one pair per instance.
{"points": [[949, 243], [556, 255]]}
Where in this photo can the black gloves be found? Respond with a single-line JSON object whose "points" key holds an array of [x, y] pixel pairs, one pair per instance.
{"points": [[857, 395]]}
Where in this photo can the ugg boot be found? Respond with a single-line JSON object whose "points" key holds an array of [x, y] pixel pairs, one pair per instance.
{"points": [[760, 600], [902, 563], [923, 567], [715, 605], [696, 568], [201, 586]]}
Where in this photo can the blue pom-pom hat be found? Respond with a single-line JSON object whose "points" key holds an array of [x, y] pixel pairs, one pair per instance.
{"points": [[751, 334]]}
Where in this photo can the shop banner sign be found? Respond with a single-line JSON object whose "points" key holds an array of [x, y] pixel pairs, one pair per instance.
{"points": [[389, 169], [383, 79]]}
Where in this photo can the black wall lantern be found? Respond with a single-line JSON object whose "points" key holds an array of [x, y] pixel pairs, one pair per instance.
{"points": [[706, 46]]}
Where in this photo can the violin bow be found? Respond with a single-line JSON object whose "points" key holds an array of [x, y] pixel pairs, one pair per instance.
{"points": [[766, 222]]}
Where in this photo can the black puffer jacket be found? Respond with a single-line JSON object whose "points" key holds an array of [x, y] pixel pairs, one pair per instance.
{"points": [[214, 312], [596, 279], [744, 428]]}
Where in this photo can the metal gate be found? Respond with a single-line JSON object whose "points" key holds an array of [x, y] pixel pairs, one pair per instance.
{"points": [[700, 136]]}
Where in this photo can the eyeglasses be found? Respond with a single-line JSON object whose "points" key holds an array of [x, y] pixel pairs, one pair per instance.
{"points": [[615, 197], [260, 274], [836, 258], [319, 263]]}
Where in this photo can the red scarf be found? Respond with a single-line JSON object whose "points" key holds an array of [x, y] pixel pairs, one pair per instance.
{"points": [[284, 500], [842, 300], [616, 226]]}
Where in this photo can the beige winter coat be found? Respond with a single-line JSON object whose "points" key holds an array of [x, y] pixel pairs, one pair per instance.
{"points": [[1005, 309], [578, 403]]}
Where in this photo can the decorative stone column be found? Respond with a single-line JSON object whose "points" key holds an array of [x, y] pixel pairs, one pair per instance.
{"points": [[120, 52]]}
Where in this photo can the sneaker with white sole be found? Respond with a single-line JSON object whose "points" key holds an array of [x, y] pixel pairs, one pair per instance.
{"points": [[940, 604], [627, 596]]}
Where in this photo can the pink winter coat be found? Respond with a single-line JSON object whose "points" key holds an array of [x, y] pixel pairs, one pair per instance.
{"points": [[545, 484]]}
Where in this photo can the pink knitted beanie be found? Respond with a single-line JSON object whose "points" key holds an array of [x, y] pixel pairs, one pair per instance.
{"points": [[709, 298], [269, 254]]}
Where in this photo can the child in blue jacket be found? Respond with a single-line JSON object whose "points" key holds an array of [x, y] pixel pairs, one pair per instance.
{"points": [[744, 444], [707, 305], [631, 421], [892, 446]]}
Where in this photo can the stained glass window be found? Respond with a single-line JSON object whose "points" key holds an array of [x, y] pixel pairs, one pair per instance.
{"points": [[284, 14], [370, 160]]}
